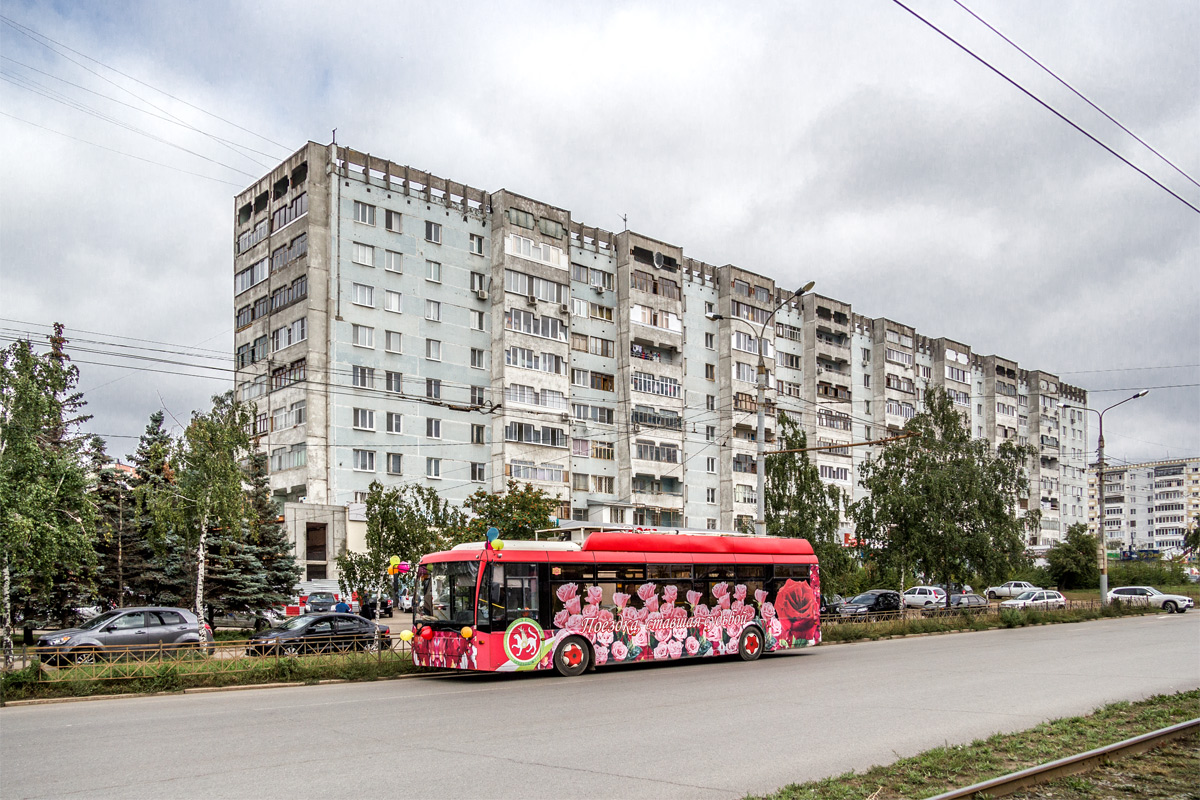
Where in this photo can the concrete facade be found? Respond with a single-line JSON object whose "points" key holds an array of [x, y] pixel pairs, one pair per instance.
{"points": [[1147, 506], [395, 325]]}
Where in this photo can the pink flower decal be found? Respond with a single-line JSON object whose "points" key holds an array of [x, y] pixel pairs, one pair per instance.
{"points": [[661, 651], [669, 593], [575, 622], [620, 599], [641, 638], [693, 598], [702, 610], [712, 632], [768, 610], [619, 650], [774, 628], [760, 596], [679, 634], [723, 600], [604, 637], [594, 595], [692, 645], [646, 591], [652, 604], [739, 592], [572, 605], [591, 611], [601, 654], [720, 589], [606, 616], [567, 591], [798, 610], [560, 619], [674, 648]]}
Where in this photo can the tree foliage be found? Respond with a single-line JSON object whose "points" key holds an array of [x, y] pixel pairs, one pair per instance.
{"points": [[800, 505], [515, 513], [943, 505], [46, 515], [1073, 562]]}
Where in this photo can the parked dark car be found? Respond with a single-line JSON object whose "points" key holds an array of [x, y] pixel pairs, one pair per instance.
{"points": [[124, 630], [960, 604], [319, 633], [875, 603], [830, 603], [320, 601], [385, 610]]}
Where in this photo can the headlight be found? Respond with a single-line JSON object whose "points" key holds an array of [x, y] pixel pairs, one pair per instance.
{"points": [[57, 640]]}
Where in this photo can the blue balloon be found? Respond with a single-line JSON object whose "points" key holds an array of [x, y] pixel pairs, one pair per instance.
{"points": [[493, 534]]}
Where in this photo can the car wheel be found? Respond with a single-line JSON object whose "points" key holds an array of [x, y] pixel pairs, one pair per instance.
{"points": [[572, 657], [371, 645], [1170, 607], [291, 649], [992, 596], [85, 656], [750, 644]]}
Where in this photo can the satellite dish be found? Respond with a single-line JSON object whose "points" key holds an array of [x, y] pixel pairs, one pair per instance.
{"points": [[658, 260]]}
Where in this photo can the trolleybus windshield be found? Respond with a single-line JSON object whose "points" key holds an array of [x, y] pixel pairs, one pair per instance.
{"points": [[446, 592]]}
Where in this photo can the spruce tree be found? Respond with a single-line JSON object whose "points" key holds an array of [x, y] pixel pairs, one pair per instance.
{"points": [[122, 552], [164, 579], [276, 552]]}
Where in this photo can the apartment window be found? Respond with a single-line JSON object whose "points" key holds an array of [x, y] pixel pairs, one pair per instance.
{"points": [[363, 377], [710, 308], [581, 448], [433, 468], [477, 434], [867, 381], [477, 393], [363, 336], [745, 372], [433, 232], [298, 412], [712, 524], [711, 466], [364, 213], [579, 481], [710, 401], [392, 220], [364, 419], [395, 381], [363, 295], [601, 381], [600, 312], [602, 347], [395, 461], [478, 471], [579, 307], [710, 371], [433, 271], [395, 422], [602, 450], [433, 310], [616, 515], [364, 460], [579, 342], [392, 300], [476, 244], [711, 495], [478, 281], [363, 254], [392, 341], [710, 432], [433, 350], [602, 484], [477, 320], [433, 388], [710, 341], [477, 358], [433, 428], [393, 261]]}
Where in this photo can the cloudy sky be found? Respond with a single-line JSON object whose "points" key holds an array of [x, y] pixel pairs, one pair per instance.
{"points": [[846, 143]]}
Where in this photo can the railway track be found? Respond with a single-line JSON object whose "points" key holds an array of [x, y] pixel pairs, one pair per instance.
{"points": [[1071, 765]]}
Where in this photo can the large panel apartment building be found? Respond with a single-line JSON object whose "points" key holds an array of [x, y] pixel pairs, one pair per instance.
{"points": [[1147, 506], [397, 326]]}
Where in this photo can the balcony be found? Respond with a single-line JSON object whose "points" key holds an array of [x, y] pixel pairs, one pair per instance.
{"points": [[647, 353]]}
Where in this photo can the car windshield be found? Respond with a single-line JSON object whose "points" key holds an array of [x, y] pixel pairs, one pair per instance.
{"points": [[1152, 590], [292, 624], [320, 597], [865, 599], [446, 592], [99, 622], [1026, 595]]}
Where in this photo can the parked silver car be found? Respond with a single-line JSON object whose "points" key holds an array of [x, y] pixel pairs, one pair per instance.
{"points": [[1038, 598], [1010, 589], [122, 630]]}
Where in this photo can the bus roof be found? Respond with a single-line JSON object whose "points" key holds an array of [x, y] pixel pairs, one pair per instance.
{"points": [[626, 542]]}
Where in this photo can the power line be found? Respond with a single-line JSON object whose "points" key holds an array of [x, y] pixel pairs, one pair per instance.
{"points": [[1128, 369], [1139, 388], [1077, 93], [121, 153], [1046, 106]]}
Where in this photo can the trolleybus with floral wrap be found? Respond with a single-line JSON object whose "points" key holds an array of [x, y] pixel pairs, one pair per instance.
{"points": [[619, 597]]}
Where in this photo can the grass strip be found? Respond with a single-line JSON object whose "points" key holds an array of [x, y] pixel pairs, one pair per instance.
{"points": [[954, 766], [1168, 772], [965, 621]]}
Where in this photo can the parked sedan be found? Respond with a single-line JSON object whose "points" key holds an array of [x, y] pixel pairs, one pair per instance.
{"points": [[1010, 589], [924, 596], [1149, 596], [368, 608], [876, 602], [320, 601], [830, 603], [1041, 598], [405, 601], [959, 604], [320, 633], [120, 631]]}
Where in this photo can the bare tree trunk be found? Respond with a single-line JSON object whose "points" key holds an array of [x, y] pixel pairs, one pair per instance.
{"points": [[200, 557], [8, 629]]}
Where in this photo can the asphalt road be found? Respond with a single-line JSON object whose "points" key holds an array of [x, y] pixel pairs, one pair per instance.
{"points": [[715, 729]]}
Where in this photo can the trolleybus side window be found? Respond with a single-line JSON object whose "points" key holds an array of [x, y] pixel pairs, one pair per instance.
{"points": [[512, 593], [753, 577], [677, 575], [714, 582], [569, 589], [623, 578]]}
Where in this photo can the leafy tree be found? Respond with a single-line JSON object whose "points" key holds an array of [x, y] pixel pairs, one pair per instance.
{"points": [[46, 515], [1072, 562], [943, 504], [799, 504], [406, 521], [207, 494], [516, 513]]}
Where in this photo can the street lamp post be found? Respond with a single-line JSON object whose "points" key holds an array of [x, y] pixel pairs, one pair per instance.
{"points": [[760, 522], [1100, 489]]}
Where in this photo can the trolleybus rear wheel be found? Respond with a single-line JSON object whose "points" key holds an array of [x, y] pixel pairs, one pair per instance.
{"points": [[572, 656], [750, 645]]}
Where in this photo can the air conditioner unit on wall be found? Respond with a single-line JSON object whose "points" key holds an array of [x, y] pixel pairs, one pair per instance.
{"points": [[597, 289], [565, 307], [482, 294], [531, 300]]}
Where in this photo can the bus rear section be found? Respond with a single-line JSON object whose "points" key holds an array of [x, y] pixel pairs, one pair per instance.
{"points": [[621, 598]]}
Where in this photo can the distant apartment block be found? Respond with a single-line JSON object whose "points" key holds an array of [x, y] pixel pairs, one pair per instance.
{"points": [[393, 325], [1147, 506]]}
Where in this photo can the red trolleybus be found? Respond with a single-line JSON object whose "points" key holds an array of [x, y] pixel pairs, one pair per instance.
{"points": [[621, 597]]}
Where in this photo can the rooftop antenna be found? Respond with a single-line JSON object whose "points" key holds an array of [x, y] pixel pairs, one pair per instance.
{"points": [[335, 135], [625, 221]]}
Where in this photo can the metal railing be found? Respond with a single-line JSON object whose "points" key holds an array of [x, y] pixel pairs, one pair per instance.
{"points": [[941, 612]]}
